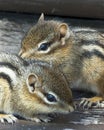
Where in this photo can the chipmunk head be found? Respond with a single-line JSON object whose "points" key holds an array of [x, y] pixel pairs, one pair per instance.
{"points": [[48, 93], [44, 38]]}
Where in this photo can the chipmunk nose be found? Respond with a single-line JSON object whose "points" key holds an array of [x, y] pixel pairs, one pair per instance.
{"points": [[22, 54]]}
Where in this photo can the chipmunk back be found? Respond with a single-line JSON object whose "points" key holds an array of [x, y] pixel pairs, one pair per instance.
{"points": [[31, 90], [80, 56]]}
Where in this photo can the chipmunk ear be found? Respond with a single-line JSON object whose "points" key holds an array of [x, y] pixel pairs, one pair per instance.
{"points": [[41, 18], [64, 32], [32, 82]]}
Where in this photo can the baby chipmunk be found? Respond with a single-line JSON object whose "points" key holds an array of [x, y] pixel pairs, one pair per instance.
{"points": [[31, 90], [79, 57]]}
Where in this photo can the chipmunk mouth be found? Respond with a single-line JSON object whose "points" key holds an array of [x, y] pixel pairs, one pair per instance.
{"points": [[67, 110]]}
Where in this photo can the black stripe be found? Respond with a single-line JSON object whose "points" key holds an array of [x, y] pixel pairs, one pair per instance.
{"points": [[12, 67], [5, 76], [92, 42], [85, 31], [95, 52], [8, 65], [25, 62]]}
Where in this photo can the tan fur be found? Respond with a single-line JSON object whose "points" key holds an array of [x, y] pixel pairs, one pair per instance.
{"points": [[82, 65], [26, 95], [4, 95]]}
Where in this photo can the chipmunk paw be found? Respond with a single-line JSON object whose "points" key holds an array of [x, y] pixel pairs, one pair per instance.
{"points": [[42, 118], [95, 102], [7, 118]]}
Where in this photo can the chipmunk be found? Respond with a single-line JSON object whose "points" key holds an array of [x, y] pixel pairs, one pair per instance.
{"points": [[79, 57], [31, 90]]}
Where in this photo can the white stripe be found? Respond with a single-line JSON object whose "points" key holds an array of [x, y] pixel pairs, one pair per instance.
{"points": [[84, 29], [92, 48], [10, 73], [46, 51], [44, 98], [32, 50]]}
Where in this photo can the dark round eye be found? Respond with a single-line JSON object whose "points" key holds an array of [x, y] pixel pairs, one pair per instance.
{"points": [[51, 98], [43, 47]]}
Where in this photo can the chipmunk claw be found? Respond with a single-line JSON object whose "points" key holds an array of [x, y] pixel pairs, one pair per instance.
{"points": [[46, 119], [7, 118], [42, 118], [95, 102], [85, 103], [99, 104]]}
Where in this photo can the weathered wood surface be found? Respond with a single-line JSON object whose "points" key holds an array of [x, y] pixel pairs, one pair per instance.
{"points": [[74, 8], [12, 29]]}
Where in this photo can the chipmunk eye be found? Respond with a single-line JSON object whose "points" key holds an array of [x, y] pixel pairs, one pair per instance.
{"points": [[51, 98], [43, 46]]}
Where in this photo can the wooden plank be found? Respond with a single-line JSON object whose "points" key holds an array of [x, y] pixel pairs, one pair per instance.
{"points": [[74, 8]]}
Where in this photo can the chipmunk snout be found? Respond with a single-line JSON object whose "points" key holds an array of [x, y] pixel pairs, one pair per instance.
{"points": [[22, 54]]}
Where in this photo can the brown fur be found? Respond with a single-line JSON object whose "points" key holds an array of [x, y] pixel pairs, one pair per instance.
{"points": [[79, 56], [24, 87]]}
